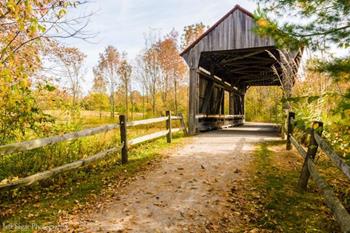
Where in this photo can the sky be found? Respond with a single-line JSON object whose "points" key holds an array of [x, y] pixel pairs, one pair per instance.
{"points": [[123, 23]]}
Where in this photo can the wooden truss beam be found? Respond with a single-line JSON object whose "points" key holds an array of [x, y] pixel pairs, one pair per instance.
{"points": [[242, 57], [218, 82], [208, 93]]}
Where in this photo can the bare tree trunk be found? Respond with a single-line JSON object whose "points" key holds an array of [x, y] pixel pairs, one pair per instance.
{"points": [[153, 101], [143, 104], [112, 104], [153, 104], [165, 90], [132, 106], [74, 101], [175, 94], [126, 100]]}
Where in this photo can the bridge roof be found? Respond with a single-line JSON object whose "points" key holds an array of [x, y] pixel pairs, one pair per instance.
{"points": [[231, 50]]}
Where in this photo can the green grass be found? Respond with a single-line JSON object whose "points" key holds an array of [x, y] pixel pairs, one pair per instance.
{"points": [[30, 162], [272, 200], [43, 203]]}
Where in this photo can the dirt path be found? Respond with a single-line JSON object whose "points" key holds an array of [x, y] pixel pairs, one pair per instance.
{"points": [[188, 192]]}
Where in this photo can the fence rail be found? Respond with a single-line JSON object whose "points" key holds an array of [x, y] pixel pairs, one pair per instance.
{"points": [[37, 143], [123, 147], [339, 162], [309, 168], [152, 136]]}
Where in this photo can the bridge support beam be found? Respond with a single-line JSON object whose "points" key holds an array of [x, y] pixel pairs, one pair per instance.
{"points": [[237, 102], [232, 103], [238, 105], [193, 101]]}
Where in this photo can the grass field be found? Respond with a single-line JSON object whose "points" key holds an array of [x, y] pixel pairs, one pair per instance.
{"points": [[59, 195]]}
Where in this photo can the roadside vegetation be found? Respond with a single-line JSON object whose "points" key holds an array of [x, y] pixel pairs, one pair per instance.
{"points": [[267, 200]]}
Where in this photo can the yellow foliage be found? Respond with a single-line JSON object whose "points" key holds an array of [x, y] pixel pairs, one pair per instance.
{"points": [[262, 23]]}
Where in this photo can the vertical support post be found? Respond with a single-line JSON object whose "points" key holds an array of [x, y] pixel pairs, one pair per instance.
{"points": [[168, 127], [207, 97], [242, 103], [193, 105], [222, 110], [316, 127], [243, 107], [231, 104], [183, 125], [283, 128], [290, 117], [236, 105], [123, 138]]}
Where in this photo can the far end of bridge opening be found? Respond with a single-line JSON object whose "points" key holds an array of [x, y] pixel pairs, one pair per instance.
{"points": [[230, 58]]}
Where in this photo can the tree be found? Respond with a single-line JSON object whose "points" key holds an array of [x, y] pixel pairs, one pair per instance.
{"points": [[319, 26], [328, 23], [96, 101], [136, 100], [108, 66], [124, 72], [72, 61], [191, 33], [172, 65], [149, 70], [142, 78], [98, 92], [327, 26], [99, 84], [152, 73], [26, 26]]}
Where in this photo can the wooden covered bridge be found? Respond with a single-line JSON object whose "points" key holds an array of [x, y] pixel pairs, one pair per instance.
{"points": [[229, 57]]}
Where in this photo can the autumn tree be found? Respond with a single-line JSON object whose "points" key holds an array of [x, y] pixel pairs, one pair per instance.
{"points": [[172, 65], [191, 33], [160, 71], [26, 26], [149, 69], [137, 102], [108, 66], [124, 72]]}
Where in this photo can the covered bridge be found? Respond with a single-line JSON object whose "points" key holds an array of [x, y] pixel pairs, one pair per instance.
{"points": [[229, 57]]}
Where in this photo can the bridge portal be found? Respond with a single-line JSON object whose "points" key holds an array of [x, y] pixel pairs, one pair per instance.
{"points": [[230, 57]]}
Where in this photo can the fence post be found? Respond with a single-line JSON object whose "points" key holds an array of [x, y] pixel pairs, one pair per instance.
{"points": [[284, 124], [316, 127], [290, 117], [168, 127], [123, 138], [183, 125]]}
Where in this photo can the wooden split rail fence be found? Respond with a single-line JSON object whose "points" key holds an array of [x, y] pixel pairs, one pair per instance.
{"points": [[123, 147], [309, 168]]}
